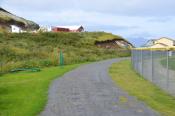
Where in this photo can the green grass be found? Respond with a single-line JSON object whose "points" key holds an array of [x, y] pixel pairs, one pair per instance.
{"points": [[125, 77], [25, 93]]}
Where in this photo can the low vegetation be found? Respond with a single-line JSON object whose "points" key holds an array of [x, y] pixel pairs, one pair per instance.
{"points": [[124, 76], [25, 93], [41, 50]]}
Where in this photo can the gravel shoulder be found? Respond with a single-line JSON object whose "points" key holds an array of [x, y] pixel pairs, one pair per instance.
{"points": [[89, 91]]}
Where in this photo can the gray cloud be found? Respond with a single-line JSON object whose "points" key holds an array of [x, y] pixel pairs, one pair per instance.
{"points": [[119, 7], [160, 19], [130, 18]]}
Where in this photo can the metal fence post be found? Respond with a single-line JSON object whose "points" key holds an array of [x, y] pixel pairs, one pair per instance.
{"points": [[132, 58], [142, 62], [135, 60], [138, 61], [0, 67], [138, 55], [167, 69], [152, 67]]}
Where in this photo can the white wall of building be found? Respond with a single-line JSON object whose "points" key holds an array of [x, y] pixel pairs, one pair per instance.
{"points": [[15, 29]]}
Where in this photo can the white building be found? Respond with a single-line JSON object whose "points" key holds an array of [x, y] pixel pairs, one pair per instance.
{"points": [[160, 43], [45, 29], [49, 29], [15, 29]]}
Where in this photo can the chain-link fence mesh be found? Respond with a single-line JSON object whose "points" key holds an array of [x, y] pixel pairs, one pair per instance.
{"points": [[156, 66]]}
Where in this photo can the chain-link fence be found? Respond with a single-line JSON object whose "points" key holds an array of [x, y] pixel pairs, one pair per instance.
{"points": [[157, 66]]}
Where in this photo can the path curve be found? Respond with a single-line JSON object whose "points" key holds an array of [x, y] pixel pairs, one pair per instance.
{"points": [[89, 91]]}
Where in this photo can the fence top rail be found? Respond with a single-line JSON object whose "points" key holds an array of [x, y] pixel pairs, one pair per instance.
{"points": [[156, 49]]}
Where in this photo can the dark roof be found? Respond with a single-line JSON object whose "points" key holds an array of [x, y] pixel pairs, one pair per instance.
{"points": [[112, 40], [109, 40]]}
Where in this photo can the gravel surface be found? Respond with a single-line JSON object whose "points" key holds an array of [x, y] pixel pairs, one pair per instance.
{"points": [[89, 91]]}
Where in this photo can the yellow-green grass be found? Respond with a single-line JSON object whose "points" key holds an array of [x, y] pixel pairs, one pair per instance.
{"points": [[126, 78], [25, 93]]}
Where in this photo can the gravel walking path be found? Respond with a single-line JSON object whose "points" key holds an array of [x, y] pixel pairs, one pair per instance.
{"points": [[89, 91]]}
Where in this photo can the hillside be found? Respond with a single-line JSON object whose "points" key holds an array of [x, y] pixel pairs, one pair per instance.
{"points": [[40, 50], [7, 19]]}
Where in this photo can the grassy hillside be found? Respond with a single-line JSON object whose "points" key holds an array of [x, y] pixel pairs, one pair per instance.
{"points": [[41, 50]]}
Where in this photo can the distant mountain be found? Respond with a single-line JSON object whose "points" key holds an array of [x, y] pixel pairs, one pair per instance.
{"points": [[138, 41], [7, 19]]}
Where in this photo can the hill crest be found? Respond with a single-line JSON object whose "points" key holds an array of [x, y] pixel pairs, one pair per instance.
{"points": [[7, 19]]}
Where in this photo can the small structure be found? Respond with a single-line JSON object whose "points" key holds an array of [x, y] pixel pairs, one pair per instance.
{"points": [[160, 43], [114, 43], [15, 29], [68, 29], [44, 29]]}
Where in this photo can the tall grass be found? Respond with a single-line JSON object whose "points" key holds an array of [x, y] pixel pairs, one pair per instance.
{"points": [[42, 49]]}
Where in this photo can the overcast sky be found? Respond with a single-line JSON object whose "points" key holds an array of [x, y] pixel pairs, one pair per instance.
{"points": [[133, 19]]}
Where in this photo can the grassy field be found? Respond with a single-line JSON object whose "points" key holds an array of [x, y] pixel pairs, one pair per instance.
{"points": [[41, 49], [125, 77], [25, 93]]}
